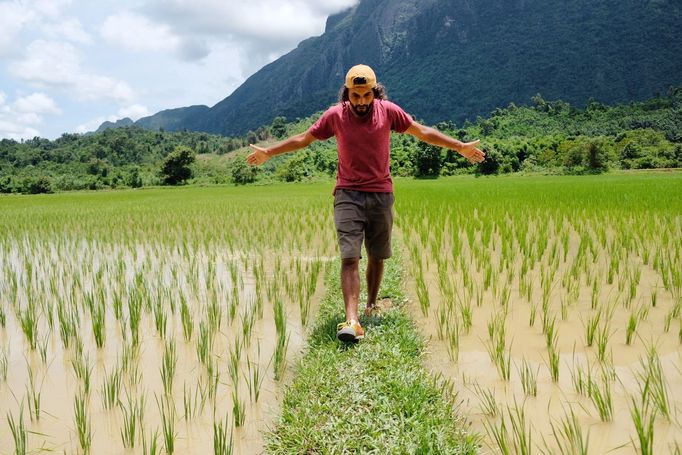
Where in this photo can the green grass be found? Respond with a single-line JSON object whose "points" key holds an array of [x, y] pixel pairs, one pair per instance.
{"points": [[373, 396]]}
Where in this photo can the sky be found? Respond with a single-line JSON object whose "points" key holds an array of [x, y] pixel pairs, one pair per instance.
{"points": [[66, 66]]}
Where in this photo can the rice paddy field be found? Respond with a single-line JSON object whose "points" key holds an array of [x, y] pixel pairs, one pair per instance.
{"points": [[171, 320], [554, 307], [158, 321]]}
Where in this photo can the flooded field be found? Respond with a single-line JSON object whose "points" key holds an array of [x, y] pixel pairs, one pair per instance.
{"points": [[154, 321], [553, 305]]}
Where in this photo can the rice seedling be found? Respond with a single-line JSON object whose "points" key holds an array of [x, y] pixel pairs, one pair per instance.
{"points": [[97, 313], [643, 416], [238, 408], [603, 335], [423, 294], [633, 320], [466, 313], [167, 412], [193, 403], [3, 316], [150, 444], [160, 318], [487, 401], [214, 315], [521, 430], [135, 316], [19, 432], [4, 364], [186, 317], [29, 325], [667, 320], [654, 383], [82, 420], [568, 436], [500, 435], [204, 343], [111, 388], [83, 370], [601, 397], [591, 328], [221, 445], [33, 396], [553, 360], [529, 378], [453, 340], [532, 314], [254, 378], [132, 413], [580, 379], [169, 363], [280, 355]]}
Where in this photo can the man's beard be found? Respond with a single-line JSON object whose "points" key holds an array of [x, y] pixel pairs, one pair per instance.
{"points": [[362, 109]]}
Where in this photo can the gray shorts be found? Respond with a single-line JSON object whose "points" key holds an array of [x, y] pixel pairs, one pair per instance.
{"points": [[361, 215]]}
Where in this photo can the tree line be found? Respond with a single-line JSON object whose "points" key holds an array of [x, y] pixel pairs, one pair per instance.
{"points": [[545, 136]]}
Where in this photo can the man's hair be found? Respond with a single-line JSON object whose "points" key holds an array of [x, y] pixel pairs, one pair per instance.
{"points": [[379, 93]]}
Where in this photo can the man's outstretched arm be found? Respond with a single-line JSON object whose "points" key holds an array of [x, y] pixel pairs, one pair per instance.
{"points": [[261, 154], [434, 137]]}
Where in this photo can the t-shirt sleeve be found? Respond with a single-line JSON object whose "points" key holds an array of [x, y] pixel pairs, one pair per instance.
{"points": [[323, 128], [400, 120]]}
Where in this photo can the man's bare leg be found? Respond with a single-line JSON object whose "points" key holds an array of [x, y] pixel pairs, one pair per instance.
{"points": [[350, 286], [374, 275]]}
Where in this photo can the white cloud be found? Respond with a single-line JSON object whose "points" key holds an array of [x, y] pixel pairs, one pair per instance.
{"points": [[138, 33], [93, 124], [135, 111], [260, 28], [55, 64], [69, 29], [13, 17], [38, 103], [19, 119]]}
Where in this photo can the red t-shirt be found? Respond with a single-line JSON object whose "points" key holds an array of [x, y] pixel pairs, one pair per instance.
{"points": [[363, 143]]}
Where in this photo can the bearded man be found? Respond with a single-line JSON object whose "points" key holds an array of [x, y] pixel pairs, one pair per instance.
{"points": [[362, 122]]}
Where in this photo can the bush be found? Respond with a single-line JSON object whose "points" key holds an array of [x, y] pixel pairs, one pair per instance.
{"points": [[176, 168], [36, 185], [242, 172], [426, 160], [295, 169]]}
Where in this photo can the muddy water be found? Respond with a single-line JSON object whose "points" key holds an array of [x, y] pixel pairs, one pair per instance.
{"points": [[57, 385], [472, 370]]}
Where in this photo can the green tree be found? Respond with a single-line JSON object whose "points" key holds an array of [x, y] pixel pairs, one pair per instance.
{"points": [[242, 172], [175, 169], [295, 169], [426, 160], [279, 127]]}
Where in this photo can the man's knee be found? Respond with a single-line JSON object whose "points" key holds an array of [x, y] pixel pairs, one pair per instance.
{"points": [[375, 260], [350, 263]]}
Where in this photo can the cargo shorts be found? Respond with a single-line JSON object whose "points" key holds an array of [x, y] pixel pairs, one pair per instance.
{"points": [[360, 215]]}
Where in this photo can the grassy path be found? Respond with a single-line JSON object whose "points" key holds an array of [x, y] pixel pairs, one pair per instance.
{"points": [[370, 397]]}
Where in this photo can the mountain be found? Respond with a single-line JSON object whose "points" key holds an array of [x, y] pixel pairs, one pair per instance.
{"points": [[458, 59], [118, 124]]}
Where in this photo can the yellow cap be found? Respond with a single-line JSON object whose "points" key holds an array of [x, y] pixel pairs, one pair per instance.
{"points": [[361, 76]]}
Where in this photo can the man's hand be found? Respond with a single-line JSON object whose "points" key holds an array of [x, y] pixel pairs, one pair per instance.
{"points": [[258, 156], [471, 153]]}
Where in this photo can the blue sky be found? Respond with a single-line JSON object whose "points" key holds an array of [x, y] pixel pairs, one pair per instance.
{"points": [[69, 65]]}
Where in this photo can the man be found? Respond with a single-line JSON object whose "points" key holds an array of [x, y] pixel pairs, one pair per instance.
{"points": [[363, 196]]}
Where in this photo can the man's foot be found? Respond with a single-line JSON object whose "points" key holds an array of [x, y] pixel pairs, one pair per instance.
{"points": [[350, 331], [369, 310]]}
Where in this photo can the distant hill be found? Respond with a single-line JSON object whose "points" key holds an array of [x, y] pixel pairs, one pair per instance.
{"points": [[457, 59], [118, 124]]}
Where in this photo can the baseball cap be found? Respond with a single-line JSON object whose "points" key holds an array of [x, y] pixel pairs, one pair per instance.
{"points": [[361, 76]]}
